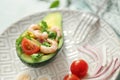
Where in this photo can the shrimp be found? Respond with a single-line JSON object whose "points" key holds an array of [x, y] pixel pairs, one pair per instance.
{"points": [[40, 35], [50, 49], [57, 30], [35, 29]]}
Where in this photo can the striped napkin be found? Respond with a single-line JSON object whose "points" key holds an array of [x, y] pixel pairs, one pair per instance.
{"points": [[110, 12]]}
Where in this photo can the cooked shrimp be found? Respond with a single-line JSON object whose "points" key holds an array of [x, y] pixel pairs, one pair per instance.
{"points": [[57, 30], [45, 35], [34, 27], [50, 49], [40, 35]]}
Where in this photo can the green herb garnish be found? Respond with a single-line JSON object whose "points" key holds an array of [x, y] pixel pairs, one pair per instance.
{"points": [[28, 37], [55, 4], [19, 40], [52, 35], [36, 56], [46, 44], [44, 26]]}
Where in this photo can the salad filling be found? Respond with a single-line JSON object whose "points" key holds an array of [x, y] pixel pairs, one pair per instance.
{"points": [[47, 39], [41, 42]]}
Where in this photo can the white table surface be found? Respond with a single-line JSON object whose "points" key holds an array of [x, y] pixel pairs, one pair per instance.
{"points": [[13, 10]]}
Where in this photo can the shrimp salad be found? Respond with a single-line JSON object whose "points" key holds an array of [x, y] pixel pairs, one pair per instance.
{"points": [[48, 38], [39, 40]]}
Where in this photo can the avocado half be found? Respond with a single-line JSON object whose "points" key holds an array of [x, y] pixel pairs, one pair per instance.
{"points": [[52, 19]]}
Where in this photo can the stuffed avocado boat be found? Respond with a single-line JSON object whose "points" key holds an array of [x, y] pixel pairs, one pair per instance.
{"points": [[40, 43]]}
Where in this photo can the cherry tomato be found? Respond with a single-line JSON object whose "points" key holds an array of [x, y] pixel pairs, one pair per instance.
{"points": [[71, 77], [79, 68], [29, 47]]}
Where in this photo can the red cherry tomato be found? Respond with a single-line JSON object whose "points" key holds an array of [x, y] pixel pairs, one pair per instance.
{"points": [[29, 47], [79, 68], [71, 77]]}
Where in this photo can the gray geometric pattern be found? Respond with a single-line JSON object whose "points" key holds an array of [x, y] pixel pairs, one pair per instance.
{"points": [[11, 66]]}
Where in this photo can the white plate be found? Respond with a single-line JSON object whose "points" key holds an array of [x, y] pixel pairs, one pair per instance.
{"points": [[10, 65]]}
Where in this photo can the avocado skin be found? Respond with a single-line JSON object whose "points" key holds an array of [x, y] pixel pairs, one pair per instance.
{"points": [[36, 65]]}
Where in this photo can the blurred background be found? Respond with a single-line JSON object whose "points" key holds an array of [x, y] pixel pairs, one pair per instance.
{"points": [[13, 10]]}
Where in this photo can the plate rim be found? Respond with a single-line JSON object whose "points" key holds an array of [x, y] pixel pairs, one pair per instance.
{"points": [[56, 10]]}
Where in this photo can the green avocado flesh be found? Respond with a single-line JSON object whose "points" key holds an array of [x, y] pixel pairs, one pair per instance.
{"points": [[39, 59], [53, 20]]}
